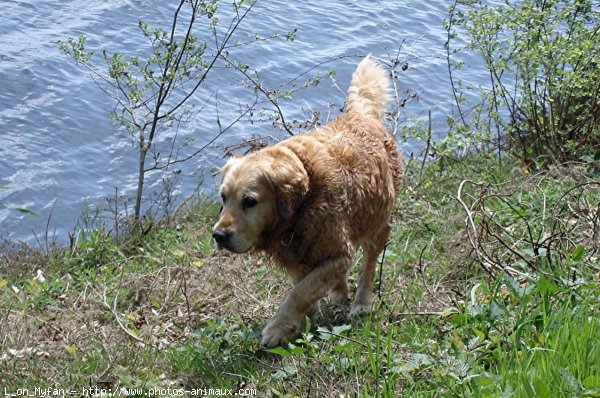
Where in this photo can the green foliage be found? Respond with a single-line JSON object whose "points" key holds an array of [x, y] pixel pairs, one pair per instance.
{"points": [[543, 101], [217, 356], [525, 338], [95, 249], [75, 48]]}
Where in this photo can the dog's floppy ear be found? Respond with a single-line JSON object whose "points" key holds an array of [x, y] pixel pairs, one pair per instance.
{"points": [[228, 165], [290, 182]]}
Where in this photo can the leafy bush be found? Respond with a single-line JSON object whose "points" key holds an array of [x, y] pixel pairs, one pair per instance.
{"points": [[542, 57]]}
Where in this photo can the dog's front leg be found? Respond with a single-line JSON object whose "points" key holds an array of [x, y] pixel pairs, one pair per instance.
{"points": [[289, 318]]}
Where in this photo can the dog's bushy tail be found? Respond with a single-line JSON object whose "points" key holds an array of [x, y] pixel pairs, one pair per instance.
{"points": [[369, 90]]}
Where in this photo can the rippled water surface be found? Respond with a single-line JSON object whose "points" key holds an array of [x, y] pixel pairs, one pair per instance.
{"points": [[61, 154]]}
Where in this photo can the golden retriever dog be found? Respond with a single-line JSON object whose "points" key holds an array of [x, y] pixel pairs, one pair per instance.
{"points": [[310, 201]]}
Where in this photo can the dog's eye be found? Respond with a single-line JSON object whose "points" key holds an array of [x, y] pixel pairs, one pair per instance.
{"points": [[223, 198], [248, 202]]}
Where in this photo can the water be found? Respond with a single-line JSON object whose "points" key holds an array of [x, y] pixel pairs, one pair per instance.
{"points": [[59, 152]]}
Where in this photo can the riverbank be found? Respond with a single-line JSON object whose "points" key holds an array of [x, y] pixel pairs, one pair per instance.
{"points": [[489, 287]]}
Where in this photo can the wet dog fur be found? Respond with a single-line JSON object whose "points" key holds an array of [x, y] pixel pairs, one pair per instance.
{"points": [[309, 201]]}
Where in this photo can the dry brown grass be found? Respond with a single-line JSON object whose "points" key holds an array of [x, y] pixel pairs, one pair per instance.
{"points": [[127, 313]]}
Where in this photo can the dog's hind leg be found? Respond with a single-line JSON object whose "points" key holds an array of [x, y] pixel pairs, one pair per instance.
{"points": [[364, 292]]}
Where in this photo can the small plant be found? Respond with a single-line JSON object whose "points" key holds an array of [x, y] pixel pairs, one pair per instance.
{"points": [[524, 338], [217, 356], [95, 249], [152, 94]]}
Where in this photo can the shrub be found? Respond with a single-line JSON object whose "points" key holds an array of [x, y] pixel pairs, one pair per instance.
{"points": [[542, 56]]}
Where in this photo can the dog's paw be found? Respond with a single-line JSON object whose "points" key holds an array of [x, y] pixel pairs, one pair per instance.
{"points": [[360, 309], [338, 298], [277, 333]]}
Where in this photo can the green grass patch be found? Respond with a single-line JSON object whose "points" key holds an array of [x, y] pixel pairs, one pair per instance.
{"points": [[487, 292]]}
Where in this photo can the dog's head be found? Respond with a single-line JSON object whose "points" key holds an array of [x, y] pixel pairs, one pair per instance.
{"points": [[259, 192]]}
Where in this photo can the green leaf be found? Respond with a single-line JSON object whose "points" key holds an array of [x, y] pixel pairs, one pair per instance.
{"points": [[324, 333], [485, 381], [592, 381], [515, 287], [459, 319], [578, 254], [546, 286], [415, 362], [22, 210], [297, 350], [587, 286], [448, 312], [496, 310], [476, 310], [280, 351], [286, 371], [71, 349], [341, 329], [155, 303]]}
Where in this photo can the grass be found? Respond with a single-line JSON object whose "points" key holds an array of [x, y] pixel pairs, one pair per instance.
{"points": [[490, 293]]}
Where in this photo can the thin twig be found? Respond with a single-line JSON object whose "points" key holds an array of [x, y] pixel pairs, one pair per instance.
{"points": [[113, 309], [258, 86], [426, 153], [472, 235], [343, 337]]}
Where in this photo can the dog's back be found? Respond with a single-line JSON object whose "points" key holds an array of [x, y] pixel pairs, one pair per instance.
{"points": [[355, 170]]}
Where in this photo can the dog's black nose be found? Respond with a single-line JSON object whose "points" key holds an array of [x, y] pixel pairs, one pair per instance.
{"points": [[221, 236]]}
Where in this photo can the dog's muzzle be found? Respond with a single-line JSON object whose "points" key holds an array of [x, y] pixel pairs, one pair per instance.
{"points": [[222, 237]]}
